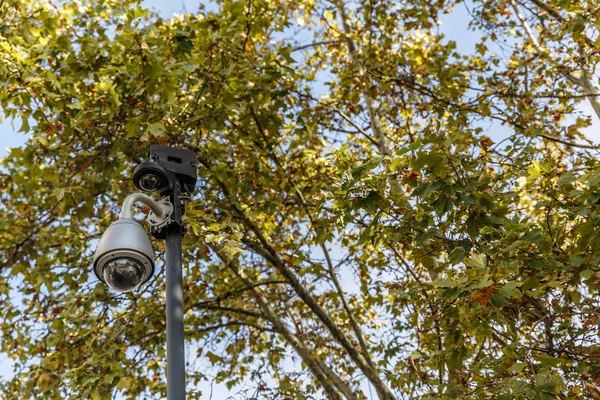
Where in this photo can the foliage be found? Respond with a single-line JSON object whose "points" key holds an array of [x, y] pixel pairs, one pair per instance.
{"points": [[378, 206]]}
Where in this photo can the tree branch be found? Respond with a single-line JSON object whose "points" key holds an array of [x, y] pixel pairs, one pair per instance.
{"points": [[319, 369], [376, 126], [556, 15], [338, 287], [340, 291], [265, 250], [557, 140], [216, 307], [309, 45], [584, 82], [232, 323]]}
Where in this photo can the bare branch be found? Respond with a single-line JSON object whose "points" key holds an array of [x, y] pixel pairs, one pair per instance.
{"points": [[309, 45], [234, 310], [571, 144]]}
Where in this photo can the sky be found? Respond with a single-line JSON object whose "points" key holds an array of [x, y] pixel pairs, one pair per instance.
{"points": [[452, 25]]}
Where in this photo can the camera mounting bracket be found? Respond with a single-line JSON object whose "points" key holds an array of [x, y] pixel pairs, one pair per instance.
{"points": [[158, 223]]}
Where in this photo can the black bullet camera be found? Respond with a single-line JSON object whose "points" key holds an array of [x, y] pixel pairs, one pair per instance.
{"points": [[166, 165]]}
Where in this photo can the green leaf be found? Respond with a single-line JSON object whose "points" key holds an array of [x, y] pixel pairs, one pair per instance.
{"points": [[566, 178], [24, 125], [111, 377], [213, 358], [371, 202], [360, 170], [231, 249], [109, 89], [125, 383], [510, 290], [156, 130], [498, 300], [59, 193], [44, 381], [457, 255], [549, 361], [444, 284], [517, 368], [476, 260], [587, 273]]}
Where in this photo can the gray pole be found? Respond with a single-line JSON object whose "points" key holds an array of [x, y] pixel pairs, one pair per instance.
{"points": [[175, 343]]}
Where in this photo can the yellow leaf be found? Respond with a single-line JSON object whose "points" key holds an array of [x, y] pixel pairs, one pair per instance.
{"points": [[125, 383], [535, 171], [44, 380]]}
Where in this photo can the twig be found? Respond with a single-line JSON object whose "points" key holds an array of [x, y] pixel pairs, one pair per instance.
{"points": [[583, 146]]}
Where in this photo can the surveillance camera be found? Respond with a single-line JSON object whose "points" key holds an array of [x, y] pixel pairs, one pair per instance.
{"points": [[150, 176], [124, 259], [123, 274], [165, 166]]}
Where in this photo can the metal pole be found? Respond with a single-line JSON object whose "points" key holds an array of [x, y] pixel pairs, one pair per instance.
{"points": [[175, 343]]}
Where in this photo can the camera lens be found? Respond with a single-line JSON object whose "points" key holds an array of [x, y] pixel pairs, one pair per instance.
{"points": [[123, 274], [150, 182], [150, 176]]}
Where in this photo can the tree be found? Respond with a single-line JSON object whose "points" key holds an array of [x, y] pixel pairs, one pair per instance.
{"points": [[355, 216]]}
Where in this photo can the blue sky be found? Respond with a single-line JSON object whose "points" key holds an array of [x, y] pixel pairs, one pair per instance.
{"points": [[453, 26]]}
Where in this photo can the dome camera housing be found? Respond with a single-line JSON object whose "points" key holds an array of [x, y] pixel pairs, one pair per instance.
{"points": [[124, 259], [179, 164], [150, 176]]}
